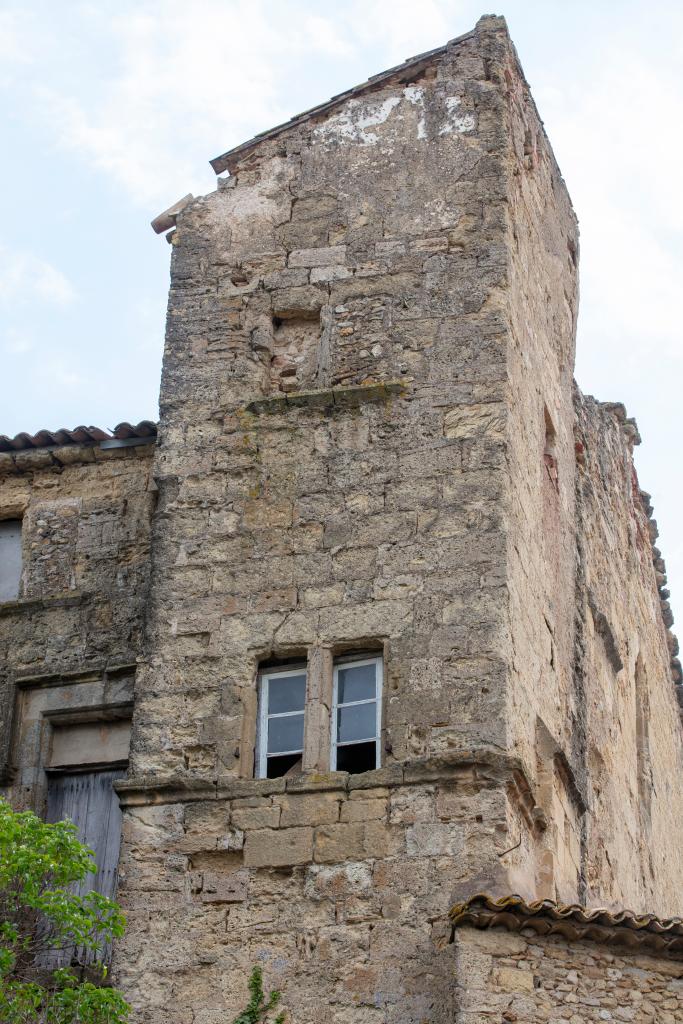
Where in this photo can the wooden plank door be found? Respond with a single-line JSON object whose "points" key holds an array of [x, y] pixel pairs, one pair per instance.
{"points": [[89, 800]]}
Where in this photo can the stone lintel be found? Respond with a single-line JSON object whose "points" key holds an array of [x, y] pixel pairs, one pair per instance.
{"points": [[81, 674]]}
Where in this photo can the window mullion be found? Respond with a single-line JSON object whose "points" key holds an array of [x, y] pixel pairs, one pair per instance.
{"points": [[263, 729]]}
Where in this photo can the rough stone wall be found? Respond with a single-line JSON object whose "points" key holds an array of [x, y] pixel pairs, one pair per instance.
{"points": [[337, 886], [85, 543], [292, 519], [579, 558], [541, 306], [536, 979], [634, 757], [599, 732], [367, 443]]}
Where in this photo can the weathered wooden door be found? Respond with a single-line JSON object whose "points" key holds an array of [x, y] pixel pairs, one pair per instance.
{"points": [[89, 800]]}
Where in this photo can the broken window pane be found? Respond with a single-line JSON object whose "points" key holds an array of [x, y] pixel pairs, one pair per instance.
{"points": [[357, 758], [281, 765]]}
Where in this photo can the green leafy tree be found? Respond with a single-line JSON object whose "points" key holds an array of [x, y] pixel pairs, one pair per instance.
{"points": [[52, 938], [259, 1005]]}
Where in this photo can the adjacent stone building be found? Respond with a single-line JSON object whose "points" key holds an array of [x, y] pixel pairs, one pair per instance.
{"points": [[381, 602]]}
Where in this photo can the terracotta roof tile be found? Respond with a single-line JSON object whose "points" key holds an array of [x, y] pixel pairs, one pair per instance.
{"points": [[571, 921], [79, 435], [145, 428]]}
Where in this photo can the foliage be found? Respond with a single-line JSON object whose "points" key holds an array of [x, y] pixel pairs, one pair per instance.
{"points": [[50, 934], [259, 1006]]}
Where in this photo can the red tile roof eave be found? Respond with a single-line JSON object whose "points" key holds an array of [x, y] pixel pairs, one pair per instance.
{"points": [[571, 921], [78, 436]]}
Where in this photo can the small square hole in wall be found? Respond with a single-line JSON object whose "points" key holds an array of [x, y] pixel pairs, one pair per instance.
{"points": [[550, 432]]}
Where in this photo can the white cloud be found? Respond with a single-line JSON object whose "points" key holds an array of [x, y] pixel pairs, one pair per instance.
{"points": [[25, 278], [17, 342], [614, 140], [398, 26], [187, 79], [13, 30]]}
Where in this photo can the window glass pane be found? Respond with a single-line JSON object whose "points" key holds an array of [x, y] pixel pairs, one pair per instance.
{"points": [[285, 734], [356, 723], [286, 693], [356, 682]]}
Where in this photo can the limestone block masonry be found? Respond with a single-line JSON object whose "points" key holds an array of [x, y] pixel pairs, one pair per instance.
{"points": [[535, 979], [370, 446], [70, 640]]}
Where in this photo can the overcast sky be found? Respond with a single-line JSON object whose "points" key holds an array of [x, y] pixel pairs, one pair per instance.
{"points": [[112, 109]]}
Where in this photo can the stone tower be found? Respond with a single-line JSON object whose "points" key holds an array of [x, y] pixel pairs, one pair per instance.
{"points": [[374, 551], [403, 641]]}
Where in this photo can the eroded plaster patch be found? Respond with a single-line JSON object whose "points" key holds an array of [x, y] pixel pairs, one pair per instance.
{"points": [[456, 122], [353, 123], [415, 95]]}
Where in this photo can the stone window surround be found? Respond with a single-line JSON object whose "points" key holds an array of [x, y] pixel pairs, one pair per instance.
{"points": [[44, 703], [319, 660]]}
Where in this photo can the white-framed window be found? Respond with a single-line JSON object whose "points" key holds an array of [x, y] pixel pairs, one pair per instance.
{"points": [[357, 715], [280, 737]]}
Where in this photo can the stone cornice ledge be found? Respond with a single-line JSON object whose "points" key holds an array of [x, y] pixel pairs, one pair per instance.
{"points": [[490, 766], [342, 397]]}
